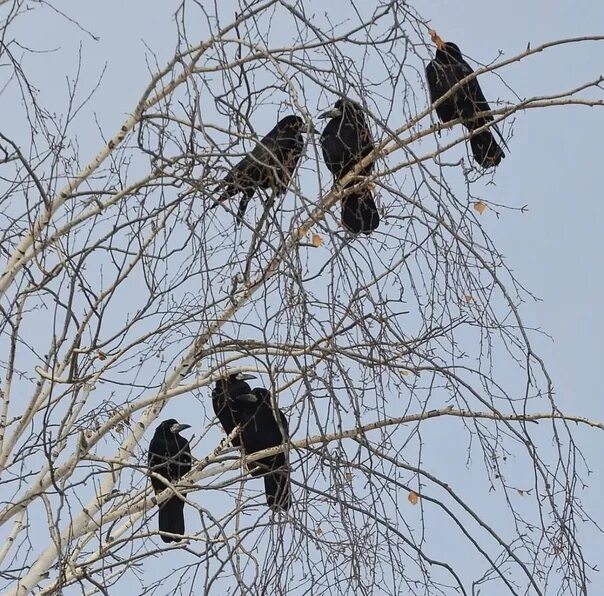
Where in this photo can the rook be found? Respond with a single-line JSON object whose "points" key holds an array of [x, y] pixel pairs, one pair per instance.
{"points": [[169, 456], [270, 165], [442, 73], [260, 430], [224, 390], [345, 141]]}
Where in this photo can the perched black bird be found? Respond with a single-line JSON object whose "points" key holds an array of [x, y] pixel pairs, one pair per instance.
{"points": [[170, 456], [232, 386], [442, 73], [345, 141], [270, 164], [260, 430]]}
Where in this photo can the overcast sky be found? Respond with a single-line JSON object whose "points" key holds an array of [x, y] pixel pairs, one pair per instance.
{"points": [[555, 248]]}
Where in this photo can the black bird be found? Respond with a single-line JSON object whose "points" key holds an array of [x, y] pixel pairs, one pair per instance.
{"points": [[345, 141], [170, 456], [442, 73], [270, 164], [260, 430], [232, 386]]}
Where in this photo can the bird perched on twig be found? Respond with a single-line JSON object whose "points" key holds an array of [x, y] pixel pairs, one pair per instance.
{"points": [[345, 141], [225, 389], [169, 456], [443, 72], [260, 430], [270, 165]]}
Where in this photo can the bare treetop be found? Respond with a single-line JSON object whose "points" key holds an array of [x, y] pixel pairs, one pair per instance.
{"points": [[404, 421]]}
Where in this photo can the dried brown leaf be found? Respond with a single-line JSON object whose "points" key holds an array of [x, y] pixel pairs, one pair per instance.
{"points": [[480, 207]]}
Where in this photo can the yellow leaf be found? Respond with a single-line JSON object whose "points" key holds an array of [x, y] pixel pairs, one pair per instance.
{"points": [[316, 240], [413, 498], [468, 298], [480, 207], [348, 476]]}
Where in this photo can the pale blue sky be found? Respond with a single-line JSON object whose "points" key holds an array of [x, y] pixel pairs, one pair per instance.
{"points": [[555, 248]]}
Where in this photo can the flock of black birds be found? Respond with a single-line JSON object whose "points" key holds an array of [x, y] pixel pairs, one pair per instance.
{"points": [[235, 404], [345, 141]]}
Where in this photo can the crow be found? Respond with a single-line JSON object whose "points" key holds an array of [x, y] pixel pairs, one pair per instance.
{"points": [[345, 141], [260, 430], [170, 456], [270, 164], [446, 69], [232, 385]]}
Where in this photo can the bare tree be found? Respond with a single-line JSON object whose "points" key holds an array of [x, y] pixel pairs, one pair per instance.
{"points": [[413, 392]]}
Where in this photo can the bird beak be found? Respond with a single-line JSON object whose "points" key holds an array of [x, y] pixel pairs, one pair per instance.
{"points": [[248, 397], [333, 113], [176, 428], [245, 377], [437, 40]]}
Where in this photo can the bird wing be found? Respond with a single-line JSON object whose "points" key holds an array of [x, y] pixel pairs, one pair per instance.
{"points": [[284, 423], [264, 153], [434, 87], [269, 151], [279, 153], [180, 461], [365, 138], [153, 460], [157, 463], [333, 148], [344, 142], [472, 92], [186, 458], [250, 173]]}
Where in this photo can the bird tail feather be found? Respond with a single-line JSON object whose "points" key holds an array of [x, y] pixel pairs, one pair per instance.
{"points": [[359, 212], [228, 187], [242, 207], [277, 490], [485, 149], [172, 519]]}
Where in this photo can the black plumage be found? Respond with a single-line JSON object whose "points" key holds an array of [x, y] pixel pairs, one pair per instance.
{"points": [[169, 456], [232, 386], [270, 164], [260, 430], [359, 212], [443, 72], [345, 141]]}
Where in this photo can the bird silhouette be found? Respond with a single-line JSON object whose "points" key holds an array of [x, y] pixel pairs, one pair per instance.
{"points": [[269, 165], [345, 141], [232, 385], [261, 430], [443, 72], [169, 456]]}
